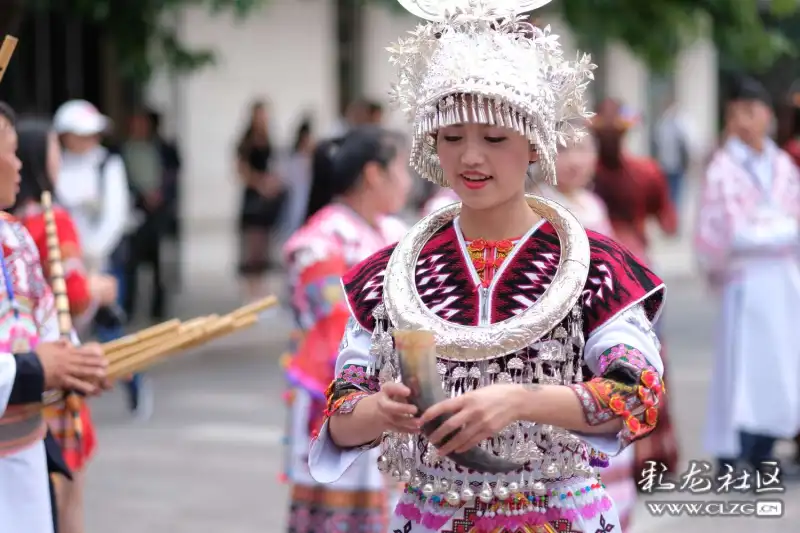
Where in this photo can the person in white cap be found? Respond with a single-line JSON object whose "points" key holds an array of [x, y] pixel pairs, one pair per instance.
{"points": [[92, 182]]}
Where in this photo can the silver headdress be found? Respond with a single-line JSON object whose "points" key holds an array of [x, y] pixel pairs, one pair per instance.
{"points": [[514, 72]]}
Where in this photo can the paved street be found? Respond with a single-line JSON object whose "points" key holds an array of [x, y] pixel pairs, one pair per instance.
{"points": [[208, 461]]}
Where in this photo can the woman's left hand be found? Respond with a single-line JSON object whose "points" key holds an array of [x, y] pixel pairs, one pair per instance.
{"points": [[480, 414]]}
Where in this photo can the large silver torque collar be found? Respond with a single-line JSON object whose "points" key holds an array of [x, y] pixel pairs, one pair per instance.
{"points": [[475, 343]]}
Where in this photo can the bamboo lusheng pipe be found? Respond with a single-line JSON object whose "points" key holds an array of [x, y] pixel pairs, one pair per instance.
{"points": [[6, 51], [190, 338], [59, 287], [172, 325], [152, 340], [145, 339], [158, 330], [57, 282], [144, 359], [191, 334], [254, 308]]}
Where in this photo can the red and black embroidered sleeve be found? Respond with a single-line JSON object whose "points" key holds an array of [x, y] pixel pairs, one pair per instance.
{"points": [[627, 387]]}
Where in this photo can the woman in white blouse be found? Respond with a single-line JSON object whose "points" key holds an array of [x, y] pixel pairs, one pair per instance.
{"points": [[93, 186], [92, 183]]}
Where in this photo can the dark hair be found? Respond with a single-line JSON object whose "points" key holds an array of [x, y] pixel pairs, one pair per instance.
{"points": [[33, 135], [303, 131], [245, 143], [155, 119], [7, 112], [338, 163], [746, 88]]}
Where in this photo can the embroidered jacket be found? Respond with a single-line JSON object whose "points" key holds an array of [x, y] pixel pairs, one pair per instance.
{"points": [[479, 281], [318, 255], [22, 424]]}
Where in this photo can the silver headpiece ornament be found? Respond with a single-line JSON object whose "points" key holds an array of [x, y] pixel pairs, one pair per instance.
{"points": [[514, 72]]}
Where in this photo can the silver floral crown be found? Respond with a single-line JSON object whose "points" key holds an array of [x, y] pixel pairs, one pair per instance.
{"points": [[513, 71]]}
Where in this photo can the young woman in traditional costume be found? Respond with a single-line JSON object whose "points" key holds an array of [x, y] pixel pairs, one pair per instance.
{"points": [[39, 153], [360, 181], [544, 340]]}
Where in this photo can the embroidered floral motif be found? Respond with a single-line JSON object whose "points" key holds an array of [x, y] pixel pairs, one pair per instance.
{"points": [[357, 375], [487, 256], [622, 354], [637, 403]]}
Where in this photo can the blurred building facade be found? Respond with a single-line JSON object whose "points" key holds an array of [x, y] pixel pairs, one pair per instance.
{"points": [[287, 53]]}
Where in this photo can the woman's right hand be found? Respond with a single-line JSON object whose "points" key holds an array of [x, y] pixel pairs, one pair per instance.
{"points": [[394, 411], [103, 288]]}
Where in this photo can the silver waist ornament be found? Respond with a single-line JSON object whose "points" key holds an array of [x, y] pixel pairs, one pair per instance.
{"points": [[543, 344]]}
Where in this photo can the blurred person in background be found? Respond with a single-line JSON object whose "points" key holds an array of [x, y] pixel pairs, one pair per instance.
{"points": [[442, 197], [359, 112], [375, 113], [789, 139], [146, 172], [93, 186], [39, 153], [747, 242], [263, 199], [171, 163], [296, 174], [634, 190], [789, 125], [575, 168], [671, 148], [360, 182]]}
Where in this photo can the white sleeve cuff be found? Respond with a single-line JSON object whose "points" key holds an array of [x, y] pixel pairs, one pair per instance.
{"points": [[326, 461]]}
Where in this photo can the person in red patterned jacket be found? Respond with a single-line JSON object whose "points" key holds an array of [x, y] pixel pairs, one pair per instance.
{"points": [[634, 189]]}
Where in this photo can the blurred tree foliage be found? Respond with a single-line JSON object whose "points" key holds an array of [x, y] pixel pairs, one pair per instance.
{"points": [[137, 29], [655, 29]]}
